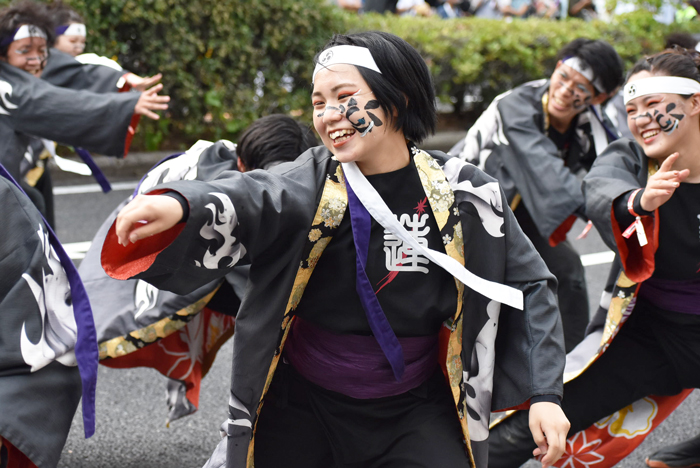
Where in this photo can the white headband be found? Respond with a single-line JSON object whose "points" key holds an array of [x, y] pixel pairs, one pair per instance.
{"points": [[28, 30], [347, 54], [587, 72], [76, 29], [660, 85]]}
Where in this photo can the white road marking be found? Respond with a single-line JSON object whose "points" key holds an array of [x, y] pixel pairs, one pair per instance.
{"points": [[93, 188], [598, 258], [77, 250]]}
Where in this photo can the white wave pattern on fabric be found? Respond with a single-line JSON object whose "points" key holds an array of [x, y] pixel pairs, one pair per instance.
{"points": [[220, 229], [183, 167], [481, 382], [487, 128], [5, 92], [485, 198], [58, 328], [145, 297], [192, 335], [382, 214]]}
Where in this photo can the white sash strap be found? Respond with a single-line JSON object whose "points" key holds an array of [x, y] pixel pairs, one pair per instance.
{"points": [[381, 213], [64, 164]]}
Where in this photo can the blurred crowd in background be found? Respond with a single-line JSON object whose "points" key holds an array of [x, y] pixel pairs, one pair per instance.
{"points": [[669, 11]]}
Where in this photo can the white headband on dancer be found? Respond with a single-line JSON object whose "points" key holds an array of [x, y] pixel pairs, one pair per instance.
{"points": [[74, 29], [346, 54], [587, 72], [660, 85]]}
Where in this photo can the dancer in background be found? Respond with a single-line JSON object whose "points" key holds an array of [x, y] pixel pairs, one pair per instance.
{"points": [[538, 140], [357, 343], [34, 112], [644, 198]]}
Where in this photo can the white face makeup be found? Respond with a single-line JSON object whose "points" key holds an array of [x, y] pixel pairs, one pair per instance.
{"points": [[350, 121], [657, 120]]}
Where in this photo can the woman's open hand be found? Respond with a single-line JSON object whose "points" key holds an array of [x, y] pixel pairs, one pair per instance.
{"points": [[150, 100], [145, 216]]}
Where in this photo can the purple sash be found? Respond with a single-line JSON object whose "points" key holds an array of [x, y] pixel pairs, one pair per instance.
{"points": [[676, 296], [355, 365]]}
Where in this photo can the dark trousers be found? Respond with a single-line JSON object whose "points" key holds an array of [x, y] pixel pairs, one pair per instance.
{"points": [[656, 352], [303, 425], [565, 264]]}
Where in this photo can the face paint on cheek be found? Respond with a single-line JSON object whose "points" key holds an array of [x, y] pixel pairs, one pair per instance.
{"points": [[646, 115], [668, 124], [369, 129], [582, 98], [359, 126]]}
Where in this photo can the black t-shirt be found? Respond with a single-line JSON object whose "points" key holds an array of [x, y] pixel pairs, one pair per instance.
{"points": [[415, 294], [678, 254], [570, 149]]}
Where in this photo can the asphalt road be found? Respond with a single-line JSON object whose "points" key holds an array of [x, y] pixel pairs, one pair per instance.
{"points": [[131, 408]]}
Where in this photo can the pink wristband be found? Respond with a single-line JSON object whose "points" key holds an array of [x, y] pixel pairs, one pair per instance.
{"points": [[630, 203]]}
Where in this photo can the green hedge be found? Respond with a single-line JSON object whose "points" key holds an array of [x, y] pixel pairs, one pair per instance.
{"points": [[227, 62], [487, 57], [224, 62]]}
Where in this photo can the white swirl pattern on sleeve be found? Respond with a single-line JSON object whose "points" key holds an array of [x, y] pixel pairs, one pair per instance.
{"points": [[219, 228]]}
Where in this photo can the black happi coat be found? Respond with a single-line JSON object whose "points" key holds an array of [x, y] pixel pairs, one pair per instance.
{"points": [[497, 357], [31, 108], [64, 70], [40, 387], [509, 142]]}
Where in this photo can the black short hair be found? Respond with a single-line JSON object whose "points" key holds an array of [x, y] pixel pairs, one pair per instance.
{"points": [[680, 39], [24, 12], [404, 88], [677, 61], [274, 138], [601, 57]]}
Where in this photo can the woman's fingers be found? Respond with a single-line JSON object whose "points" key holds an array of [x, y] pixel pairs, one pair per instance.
{"points": [[150, 101], [668, 163], [150, 81], [145, 216], [549, 427]]}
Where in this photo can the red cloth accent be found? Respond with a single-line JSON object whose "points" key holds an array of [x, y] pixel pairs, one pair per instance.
{"points": [[607, 442], [559, 235], [630, 203], [123, 263], [131, 131], [173, 357], [637, 261], [15, 458]]}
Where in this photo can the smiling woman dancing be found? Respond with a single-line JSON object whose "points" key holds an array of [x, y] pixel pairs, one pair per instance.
{"points": [[651, 188], [381, 357]]}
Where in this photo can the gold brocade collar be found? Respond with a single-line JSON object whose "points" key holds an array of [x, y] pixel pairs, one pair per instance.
{"points": [[545, 109]]}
